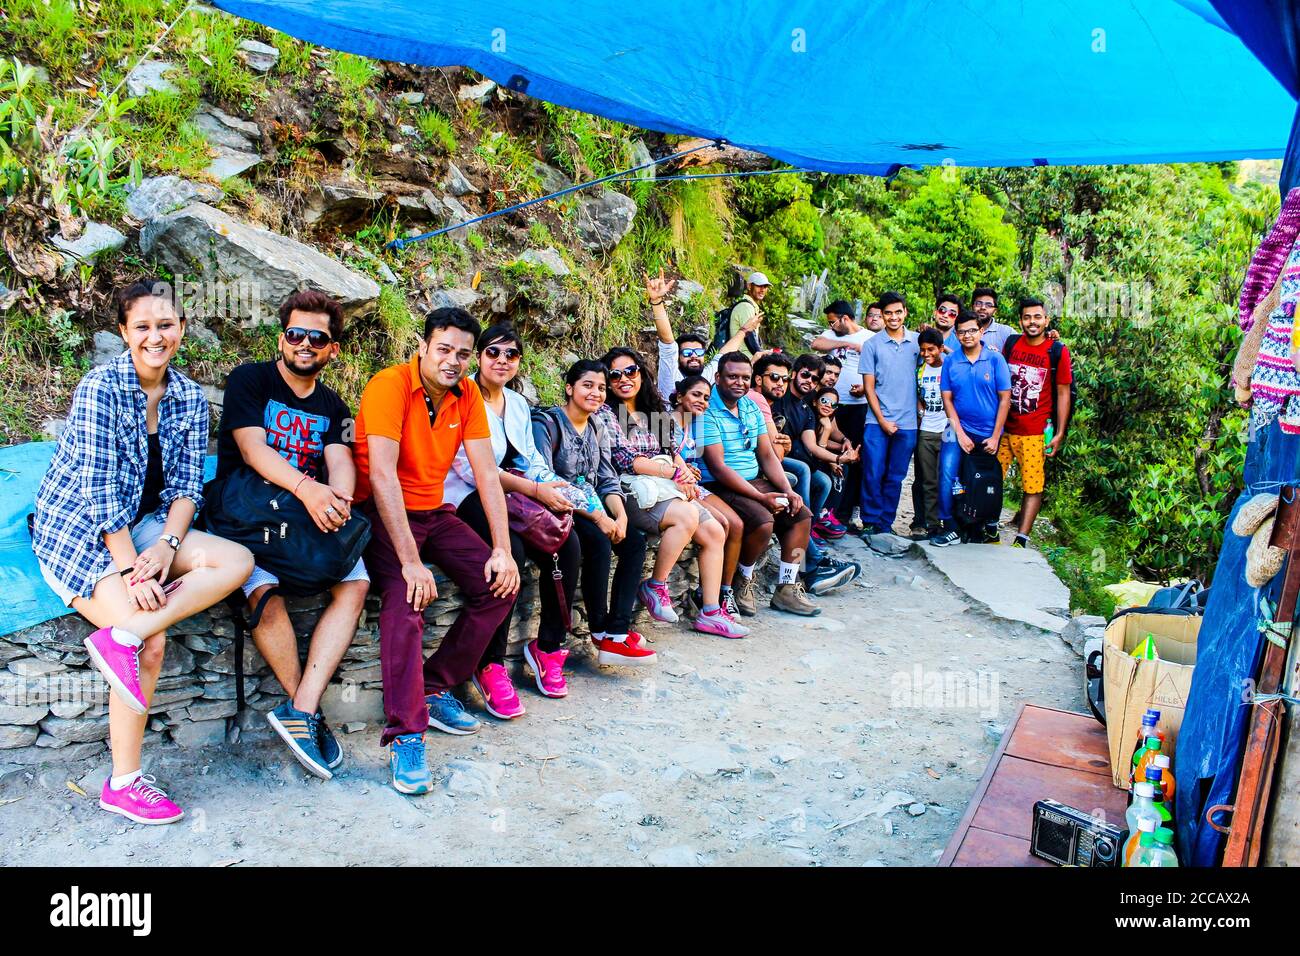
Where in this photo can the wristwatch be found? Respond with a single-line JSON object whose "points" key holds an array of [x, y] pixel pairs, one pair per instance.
{"points": [[172, 540]]}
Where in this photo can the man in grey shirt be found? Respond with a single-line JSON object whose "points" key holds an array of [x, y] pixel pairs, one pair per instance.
{"points": [[888, 365]]}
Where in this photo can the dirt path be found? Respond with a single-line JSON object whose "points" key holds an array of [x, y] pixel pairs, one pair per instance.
{"points": [[855, 738]]}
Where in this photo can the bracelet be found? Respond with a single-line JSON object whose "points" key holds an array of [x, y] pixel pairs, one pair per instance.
{"points": [[653, 303], [299, 485], [127, 571]]}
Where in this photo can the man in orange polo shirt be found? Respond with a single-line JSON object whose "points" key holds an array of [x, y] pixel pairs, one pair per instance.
{"points": [[413, 419]]}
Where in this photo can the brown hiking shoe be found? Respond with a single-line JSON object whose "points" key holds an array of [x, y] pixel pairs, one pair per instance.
{"points": [[793, 598], [745, 594]]}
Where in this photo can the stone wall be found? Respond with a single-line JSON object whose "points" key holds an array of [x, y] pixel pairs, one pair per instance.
{"points": [[53, 705]]}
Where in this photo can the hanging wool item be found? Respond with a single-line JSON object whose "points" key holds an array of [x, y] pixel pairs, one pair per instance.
{"points": [[1263, 560], [1252, 514], [1248, 353], [1275, 383]]}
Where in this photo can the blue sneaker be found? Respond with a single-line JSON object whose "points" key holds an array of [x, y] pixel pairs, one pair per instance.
{"points": [[448, 714], [329, 747], [298, 729], [410, 768]]}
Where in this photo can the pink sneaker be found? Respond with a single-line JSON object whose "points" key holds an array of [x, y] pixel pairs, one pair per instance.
{"points": [[719, 622], [117, 655], [494, 686], [141, 801], [548, 669], [657, 601]]}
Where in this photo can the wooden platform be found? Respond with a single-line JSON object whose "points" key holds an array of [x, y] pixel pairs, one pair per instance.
{"points": [[1045, 753]]}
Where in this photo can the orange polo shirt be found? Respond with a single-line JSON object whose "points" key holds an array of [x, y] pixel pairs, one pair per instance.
{"points": [[393, 406]]}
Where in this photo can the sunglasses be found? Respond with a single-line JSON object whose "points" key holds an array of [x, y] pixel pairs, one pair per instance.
{"points": [[496, 351], [805, 373], [828, 403], [629, 373], [296, 336], [692, 353], [773, 377], [943, 311]]}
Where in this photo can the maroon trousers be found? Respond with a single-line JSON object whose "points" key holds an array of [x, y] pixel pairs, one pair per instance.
{"points": [[450, 544]]}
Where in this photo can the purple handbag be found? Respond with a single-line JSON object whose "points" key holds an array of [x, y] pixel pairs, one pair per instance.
{"points": [[543, 529]]}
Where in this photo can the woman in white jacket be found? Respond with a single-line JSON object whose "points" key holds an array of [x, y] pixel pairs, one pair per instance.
{"points": [[524, 471]]}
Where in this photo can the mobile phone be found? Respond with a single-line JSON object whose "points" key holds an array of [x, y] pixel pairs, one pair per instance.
{"points": [[172, 586]]}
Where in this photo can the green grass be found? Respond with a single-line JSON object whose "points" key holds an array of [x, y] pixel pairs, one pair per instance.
{"points": [[210, 45], [295, 56], [587, 146], [1087, 551], [437, 130]]}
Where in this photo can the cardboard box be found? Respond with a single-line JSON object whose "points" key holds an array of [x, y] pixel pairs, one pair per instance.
{"points": [[1133, 685]]}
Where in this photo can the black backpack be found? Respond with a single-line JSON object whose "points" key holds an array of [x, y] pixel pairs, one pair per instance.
{"points": [[981, 499], [722, 331], [1054, 353]]}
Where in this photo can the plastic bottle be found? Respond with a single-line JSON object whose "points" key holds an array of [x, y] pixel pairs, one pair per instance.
{"points": [[1048, 434], [1150, 728], [593, 499], [1141, 758], [1163, 806], [1162, 762], [1146, 826], [1156, 849], [1141, 815]]}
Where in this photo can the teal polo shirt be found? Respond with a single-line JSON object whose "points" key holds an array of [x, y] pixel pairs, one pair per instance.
{"points": [[737, 432], [975, 386]]}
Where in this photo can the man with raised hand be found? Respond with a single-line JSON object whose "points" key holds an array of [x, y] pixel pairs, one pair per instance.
{"points": [[686, 354]]}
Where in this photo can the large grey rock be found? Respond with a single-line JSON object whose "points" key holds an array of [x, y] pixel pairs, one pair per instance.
{"points": [[219, 128], [553, 180], [96, 239], [147, 77], [22, 716], [889, 544], [32, 667], [685, 290], [200, 733], [259, 56], [29, 756], [108, 346], [212, 245], [340, 202], [458, 183], [1079, 630], [76, 730], [410, 97], [1013, 583], [228, 163], [455, 299], [548, 259], [13, 736], [605, 219], [159, 195]]}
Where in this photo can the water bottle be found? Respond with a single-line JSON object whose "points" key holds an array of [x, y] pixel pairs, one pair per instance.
{"points": [[1048, 434], [1156, 849]]}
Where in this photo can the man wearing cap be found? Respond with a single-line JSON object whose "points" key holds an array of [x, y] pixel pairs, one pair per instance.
{"points": [[744, 311], [844, 340]]}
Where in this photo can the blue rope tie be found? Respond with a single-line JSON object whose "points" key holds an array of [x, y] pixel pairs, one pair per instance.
{"points": [[406, 241]]}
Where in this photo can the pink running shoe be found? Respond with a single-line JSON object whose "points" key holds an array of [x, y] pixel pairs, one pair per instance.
{"points": [[548, 669], [657, 601], [494, 686], [141, 801], [117, 655], [719, 622]]}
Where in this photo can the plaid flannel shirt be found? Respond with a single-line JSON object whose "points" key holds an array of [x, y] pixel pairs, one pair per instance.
{"points": [[637, 441], [96, 477]]}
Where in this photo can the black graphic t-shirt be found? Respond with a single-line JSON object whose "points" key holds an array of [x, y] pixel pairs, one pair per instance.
{"points": [[257, 396]]}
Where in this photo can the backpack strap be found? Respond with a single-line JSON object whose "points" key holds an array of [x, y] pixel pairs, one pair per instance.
{"points": [[244, 625], [1010, 344]]}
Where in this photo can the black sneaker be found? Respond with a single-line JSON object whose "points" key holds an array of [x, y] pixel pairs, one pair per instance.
{"points": [[825, 577], [1022, 541], [945, 538], [298, 729]]}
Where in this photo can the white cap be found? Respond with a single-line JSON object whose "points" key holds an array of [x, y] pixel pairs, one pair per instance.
{"points": [[1161, 761], [1144, 790], [757, 278]]}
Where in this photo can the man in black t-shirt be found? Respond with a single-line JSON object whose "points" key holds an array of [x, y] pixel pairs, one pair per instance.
{"points": [[296, 433]]}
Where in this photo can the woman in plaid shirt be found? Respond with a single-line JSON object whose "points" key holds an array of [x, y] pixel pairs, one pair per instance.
{"points": [[641, 439], [111, 528]]}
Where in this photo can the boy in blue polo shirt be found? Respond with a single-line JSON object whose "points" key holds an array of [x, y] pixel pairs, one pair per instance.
{"points": [[976, 388]]}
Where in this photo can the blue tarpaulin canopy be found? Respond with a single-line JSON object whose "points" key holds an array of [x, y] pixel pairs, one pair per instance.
{"points": [[861, 87]]}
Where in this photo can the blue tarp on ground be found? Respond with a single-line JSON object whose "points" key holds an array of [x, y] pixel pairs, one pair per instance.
{"points": [[1212, 737], [855, 87], [26, 598]]}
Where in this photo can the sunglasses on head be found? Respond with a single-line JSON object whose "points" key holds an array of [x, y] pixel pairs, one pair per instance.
{"points": [[630, 372], [296, 335], [692, 352], [496, 351]]}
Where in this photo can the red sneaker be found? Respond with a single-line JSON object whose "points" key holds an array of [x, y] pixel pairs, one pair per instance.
{"points": [[613, 653]]}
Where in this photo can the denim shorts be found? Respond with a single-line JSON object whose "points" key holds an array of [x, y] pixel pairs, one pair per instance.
{"points": [[259, 577], [144, 534]]}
